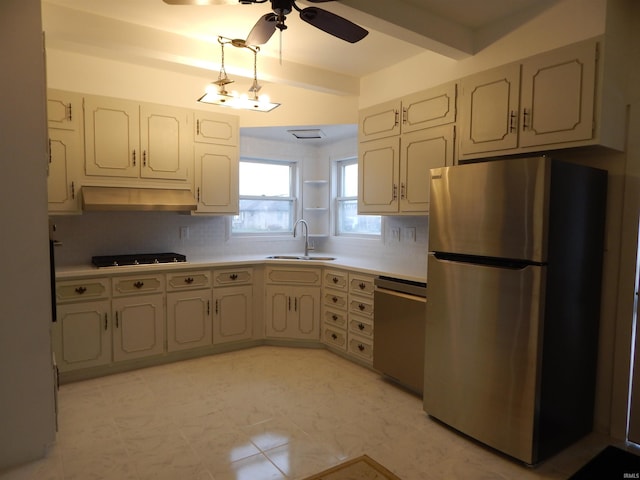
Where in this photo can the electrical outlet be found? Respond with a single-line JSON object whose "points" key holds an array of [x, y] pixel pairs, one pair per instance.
{"points": [[409, 234], [184, 233]]}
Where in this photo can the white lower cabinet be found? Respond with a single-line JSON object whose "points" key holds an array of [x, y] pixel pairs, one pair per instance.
{"points": [[138, 326], [82, 335], [233, 314], [188, 319]]}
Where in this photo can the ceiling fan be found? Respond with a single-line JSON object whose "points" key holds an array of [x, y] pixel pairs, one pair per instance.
{"points": [[267, 24]]}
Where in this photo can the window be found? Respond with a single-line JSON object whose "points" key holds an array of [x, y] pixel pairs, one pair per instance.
{"points": [[267, 201], [348, 222]]}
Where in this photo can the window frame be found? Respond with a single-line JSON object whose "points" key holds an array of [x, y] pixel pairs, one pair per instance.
{"points": [[339, 165], [293, 198]]}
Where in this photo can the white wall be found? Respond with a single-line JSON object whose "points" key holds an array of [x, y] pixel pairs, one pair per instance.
{"points": [[26, 400]]}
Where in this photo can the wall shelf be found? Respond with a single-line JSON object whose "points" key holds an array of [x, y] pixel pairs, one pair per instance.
{"points": [[315, 206]]}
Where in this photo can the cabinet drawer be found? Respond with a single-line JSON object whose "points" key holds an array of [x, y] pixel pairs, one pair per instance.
{"points": [[188, 280], [82, 290], [361, 326], [361, 284], [334, 337], [242, 276], [361, 347], [335, 298], [138, 284], [335, 318], [335, 279], [361, 306], [297, 276]]}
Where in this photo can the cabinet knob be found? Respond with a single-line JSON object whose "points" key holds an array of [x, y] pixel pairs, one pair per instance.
{"points": [[233, 276], [334, 279], [138, 284], [334, 317], [361, 326], [188, 280], [362, 285], [334, 299], [334, 336], [360, 347], [362, 306], [80, 290]]}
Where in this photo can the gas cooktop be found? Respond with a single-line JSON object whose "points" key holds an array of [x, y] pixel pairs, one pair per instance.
{"points": [[136, 259]]}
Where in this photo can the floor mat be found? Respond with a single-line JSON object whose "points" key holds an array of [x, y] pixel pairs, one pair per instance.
{"points": [[612, 462], [360, 468]]}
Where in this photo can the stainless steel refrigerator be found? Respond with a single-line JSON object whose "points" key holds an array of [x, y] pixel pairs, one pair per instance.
{"points": [[513, 302]]}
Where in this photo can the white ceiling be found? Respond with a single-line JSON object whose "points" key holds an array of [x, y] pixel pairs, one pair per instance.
{"points": [[302, 55]]}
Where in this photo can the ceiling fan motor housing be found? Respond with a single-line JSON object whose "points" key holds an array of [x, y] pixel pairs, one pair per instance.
{"points": [[281, 7]]}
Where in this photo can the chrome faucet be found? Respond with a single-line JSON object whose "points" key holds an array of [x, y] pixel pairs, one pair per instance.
{"points": [[306, 234]]}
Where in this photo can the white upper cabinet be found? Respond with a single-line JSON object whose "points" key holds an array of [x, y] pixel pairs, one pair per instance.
{"points": [[217, 179], [550, 101], [132, 140], [215, 128]]}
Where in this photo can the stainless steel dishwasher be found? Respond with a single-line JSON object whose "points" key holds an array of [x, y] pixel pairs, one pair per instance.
{"points": [[398, 349]]}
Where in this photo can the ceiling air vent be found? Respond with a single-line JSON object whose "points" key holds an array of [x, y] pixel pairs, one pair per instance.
{"points": [[308, 134]]}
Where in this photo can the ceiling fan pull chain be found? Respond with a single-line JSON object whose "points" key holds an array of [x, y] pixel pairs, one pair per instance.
{"points": [[280, 47]]}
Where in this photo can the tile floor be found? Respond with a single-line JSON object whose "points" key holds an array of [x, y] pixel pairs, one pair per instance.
{"points": [[266, 413]]}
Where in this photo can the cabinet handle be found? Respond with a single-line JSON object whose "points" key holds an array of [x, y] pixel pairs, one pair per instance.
{"points": [[405, 115], [217, 309], [289, 307], [394, 192], [334, 336], [525, 115], [334, 299], [50, 158], [197, 127], [397, 118], [361, 326], [362, 285], [295, 304], [360, 347], [334, 317], [361, 306], [134, 157], [402, 191], [198, 196], [335, 279], [80, 290], [105, 322], [233, 276], [138, 284], [188, 280], [117, 321], [513, 118], [69, 112], [208, 307], [73, 190], [144, 158]]}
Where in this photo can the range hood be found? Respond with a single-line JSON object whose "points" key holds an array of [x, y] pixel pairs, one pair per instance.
{"points": [[137, 199]]}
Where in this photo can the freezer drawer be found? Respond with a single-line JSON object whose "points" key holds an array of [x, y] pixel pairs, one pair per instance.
{"points": [[482, 345]]}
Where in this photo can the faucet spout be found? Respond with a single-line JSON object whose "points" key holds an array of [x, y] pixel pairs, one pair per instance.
{"points": [[306, 234]]}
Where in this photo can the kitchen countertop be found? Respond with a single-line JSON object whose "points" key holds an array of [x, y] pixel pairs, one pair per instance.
{"points": [[376, 266]]}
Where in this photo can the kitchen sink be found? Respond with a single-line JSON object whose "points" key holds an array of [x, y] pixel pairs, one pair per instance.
{"points": [[299, 257]]}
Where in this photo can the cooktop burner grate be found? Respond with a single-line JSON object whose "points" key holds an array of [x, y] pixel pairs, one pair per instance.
{"points": [[136, 259]]}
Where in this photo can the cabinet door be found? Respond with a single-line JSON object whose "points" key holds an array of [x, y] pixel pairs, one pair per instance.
{"points": [[138, 329], [233, 314], [378, 176], [82, 335], [215, 128], [558, 92], [380, 121], [421, 151], [278, 318], [489, 110], [217, 177], [64, 110], [112, 137], [431, 108], [188, 319], [65, 160], [163, 140], [306, 309]]}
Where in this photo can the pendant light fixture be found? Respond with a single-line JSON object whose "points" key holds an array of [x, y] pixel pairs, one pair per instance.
{"points": [[217, 94]]}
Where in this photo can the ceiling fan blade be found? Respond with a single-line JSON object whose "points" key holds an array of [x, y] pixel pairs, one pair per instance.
{"points": [[262, 30], [200, 2], [319, 1], [333, 24]]}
